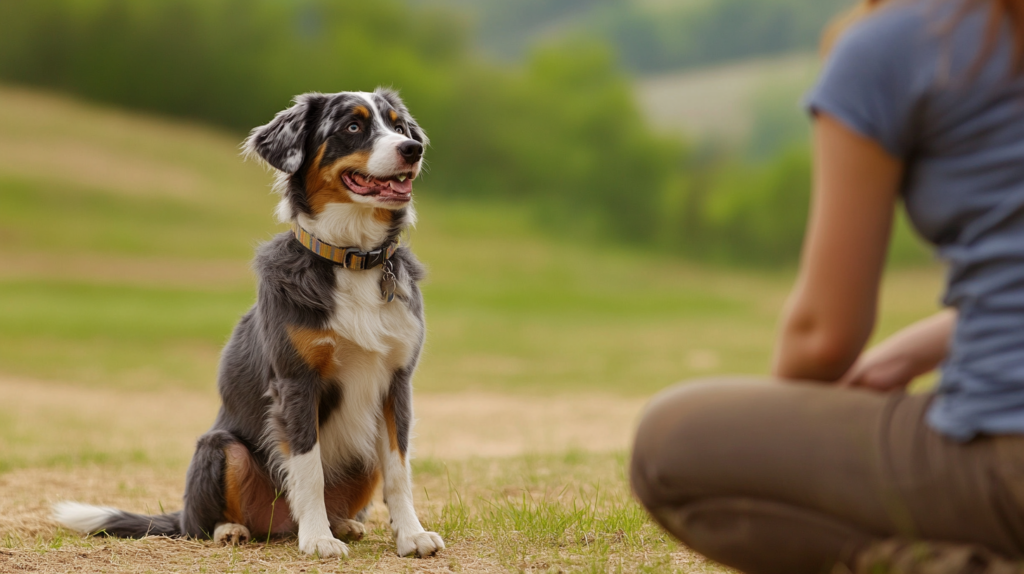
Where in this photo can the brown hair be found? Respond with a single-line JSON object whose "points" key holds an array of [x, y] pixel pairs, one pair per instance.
{"points": [[840, 23], [1000, 12]]}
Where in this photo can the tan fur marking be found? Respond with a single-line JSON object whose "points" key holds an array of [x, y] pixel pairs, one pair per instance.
{"points": [[233, 470], [252, 500], [382, 215], [323, 182], [361, 111], [346, 498], [316, 347], [285, 448], [394, 115], [389, 421]]}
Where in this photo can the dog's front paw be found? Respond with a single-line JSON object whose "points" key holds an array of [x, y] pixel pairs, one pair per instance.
{"points": [[230, 534], [422, 544], [324, 547]]}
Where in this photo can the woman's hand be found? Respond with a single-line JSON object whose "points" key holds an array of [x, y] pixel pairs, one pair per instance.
{"points": [[898, 360], [879, 370]]}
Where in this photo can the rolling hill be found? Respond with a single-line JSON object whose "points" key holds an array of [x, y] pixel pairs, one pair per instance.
{"points": [[720, 102], [124, 264]]}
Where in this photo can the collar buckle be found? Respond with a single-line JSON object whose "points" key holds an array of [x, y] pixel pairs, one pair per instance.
{"points": [[354, 258]]}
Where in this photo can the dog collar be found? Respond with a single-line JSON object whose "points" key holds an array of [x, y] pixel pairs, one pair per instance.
{"points": [[347, 257]]}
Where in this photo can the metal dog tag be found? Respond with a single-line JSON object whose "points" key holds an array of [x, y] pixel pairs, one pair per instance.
{"points": [[388, 283]]}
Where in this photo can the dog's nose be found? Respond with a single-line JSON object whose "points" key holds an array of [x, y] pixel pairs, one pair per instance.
{"points": [[411, 151]]}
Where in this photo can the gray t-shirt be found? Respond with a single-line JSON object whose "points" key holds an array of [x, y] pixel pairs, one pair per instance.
{"points": [[903, 78]]}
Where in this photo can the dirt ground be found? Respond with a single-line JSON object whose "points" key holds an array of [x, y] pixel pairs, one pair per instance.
{"points": [[24, 516], [142, 441], [448, 426]]}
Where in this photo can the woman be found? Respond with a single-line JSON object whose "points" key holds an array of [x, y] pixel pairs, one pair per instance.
{"points": [[838, 468]]}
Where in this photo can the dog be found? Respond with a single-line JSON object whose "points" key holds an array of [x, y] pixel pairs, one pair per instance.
{"points": [[315, 380]]}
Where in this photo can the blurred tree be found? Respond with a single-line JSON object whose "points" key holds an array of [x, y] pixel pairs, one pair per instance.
{"points": [[654, 36]]}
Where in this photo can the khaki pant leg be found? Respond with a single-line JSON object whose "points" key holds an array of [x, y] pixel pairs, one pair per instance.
{"points": [[827, 468]]}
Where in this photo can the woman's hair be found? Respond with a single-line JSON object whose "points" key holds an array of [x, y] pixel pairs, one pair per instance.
{"points": [[837, 26], [1000, 13]]}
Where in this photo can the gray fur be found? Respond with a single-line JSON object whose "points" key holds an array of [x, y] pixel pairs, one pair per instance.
{"points": [[131, 525], [203, 493], [388, 100]]}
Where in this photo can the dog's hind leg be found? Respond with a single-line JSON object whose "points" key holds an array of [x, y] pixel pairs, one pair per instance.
{"points": [[342, 497], [351, 529], [218, 484], [205, 499], [364, 514]]}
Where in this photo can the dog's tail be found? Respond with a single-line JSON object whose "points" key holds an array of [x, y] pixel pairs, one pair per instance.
{"points": [[106, 521]]}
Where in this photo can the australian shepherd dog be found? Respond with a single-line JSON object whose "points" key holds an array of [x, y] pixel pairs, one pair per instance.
{"points": [[315, 381]]}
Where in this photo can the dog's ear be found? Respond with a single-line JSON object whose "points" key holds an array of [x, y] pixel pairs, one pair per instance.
{"points": [[282, 142]]}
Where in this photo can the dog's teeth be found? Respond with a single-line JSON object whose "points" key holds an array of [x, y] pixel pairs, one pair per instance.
{"points": [[401, 178]]}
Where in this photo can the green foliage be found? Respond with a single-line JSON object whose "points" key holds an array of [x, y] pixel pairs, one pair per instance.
{"points": [[232, 62], [710, 32], [657, 36], [736, 212], [780, 123]]}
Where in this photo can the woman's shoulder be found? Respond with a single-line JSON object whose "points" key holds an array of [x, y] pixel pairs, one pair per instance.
{"points": [[894, 28], [879, 70]]}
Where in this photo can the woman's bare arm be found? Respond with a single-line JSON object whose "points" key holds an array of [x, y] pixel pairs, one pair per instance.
{"points": [[831, 312], [912, 352]]}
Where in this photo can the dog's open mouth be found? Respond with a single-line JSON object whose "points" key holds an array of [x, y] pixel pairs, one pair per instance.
{"points": [[394, 188]]}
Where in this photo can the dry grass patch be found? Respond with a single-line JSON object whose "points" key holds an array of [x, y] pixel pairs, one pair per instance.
{"points": [[547, 506], [567, 513]]}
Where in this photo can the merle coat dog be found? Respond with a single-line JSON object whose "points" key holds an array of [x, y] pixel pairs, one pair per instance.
{"points": [[315, 381]]}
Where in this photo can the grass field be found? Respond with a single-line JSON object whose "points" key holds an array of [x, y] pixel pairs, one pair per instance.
{"points": [[124, 248]]}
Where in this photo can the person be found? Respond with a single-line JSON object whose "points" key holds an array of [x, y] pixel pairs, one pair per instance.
{"points": [[831, 466]]}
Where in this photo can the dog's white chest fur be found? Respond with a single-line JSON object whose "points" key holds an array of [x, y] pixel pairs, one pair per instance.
{"points": [[362, 316], [377, 338]]}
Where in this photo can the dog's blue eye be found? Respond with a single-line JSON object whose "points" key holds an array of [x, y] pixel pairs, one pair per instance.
{"points": [[400, 130], [353, 127]]}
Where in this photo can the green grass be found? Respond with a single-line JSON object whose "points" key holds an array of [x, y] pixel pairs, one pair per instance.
{"points": [[498, 294], [571, 510], [64, 218], [508, 309], [109, 334]]}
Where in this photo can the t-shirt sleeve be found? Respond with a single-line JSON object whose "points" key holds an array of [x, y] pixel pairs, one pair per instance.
{"points": [[876, 77]]}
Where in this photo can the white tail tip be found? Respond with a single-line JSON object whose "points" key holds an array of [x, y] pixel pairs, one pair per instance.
{"points": [[82, 517]]}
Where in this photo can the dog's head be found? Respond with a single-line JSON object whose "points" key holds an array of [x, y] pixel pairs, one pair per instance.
{"points": [[349, 147]]}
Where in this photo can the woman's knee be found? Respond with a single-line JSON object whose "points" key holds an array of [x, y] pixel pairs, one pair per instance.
{"points": [[763, 537], [679, 434]]}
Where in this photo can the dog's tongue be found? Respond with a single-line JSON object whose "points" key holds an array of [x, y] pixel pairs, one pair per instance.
{"points": [[400, 187]]}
